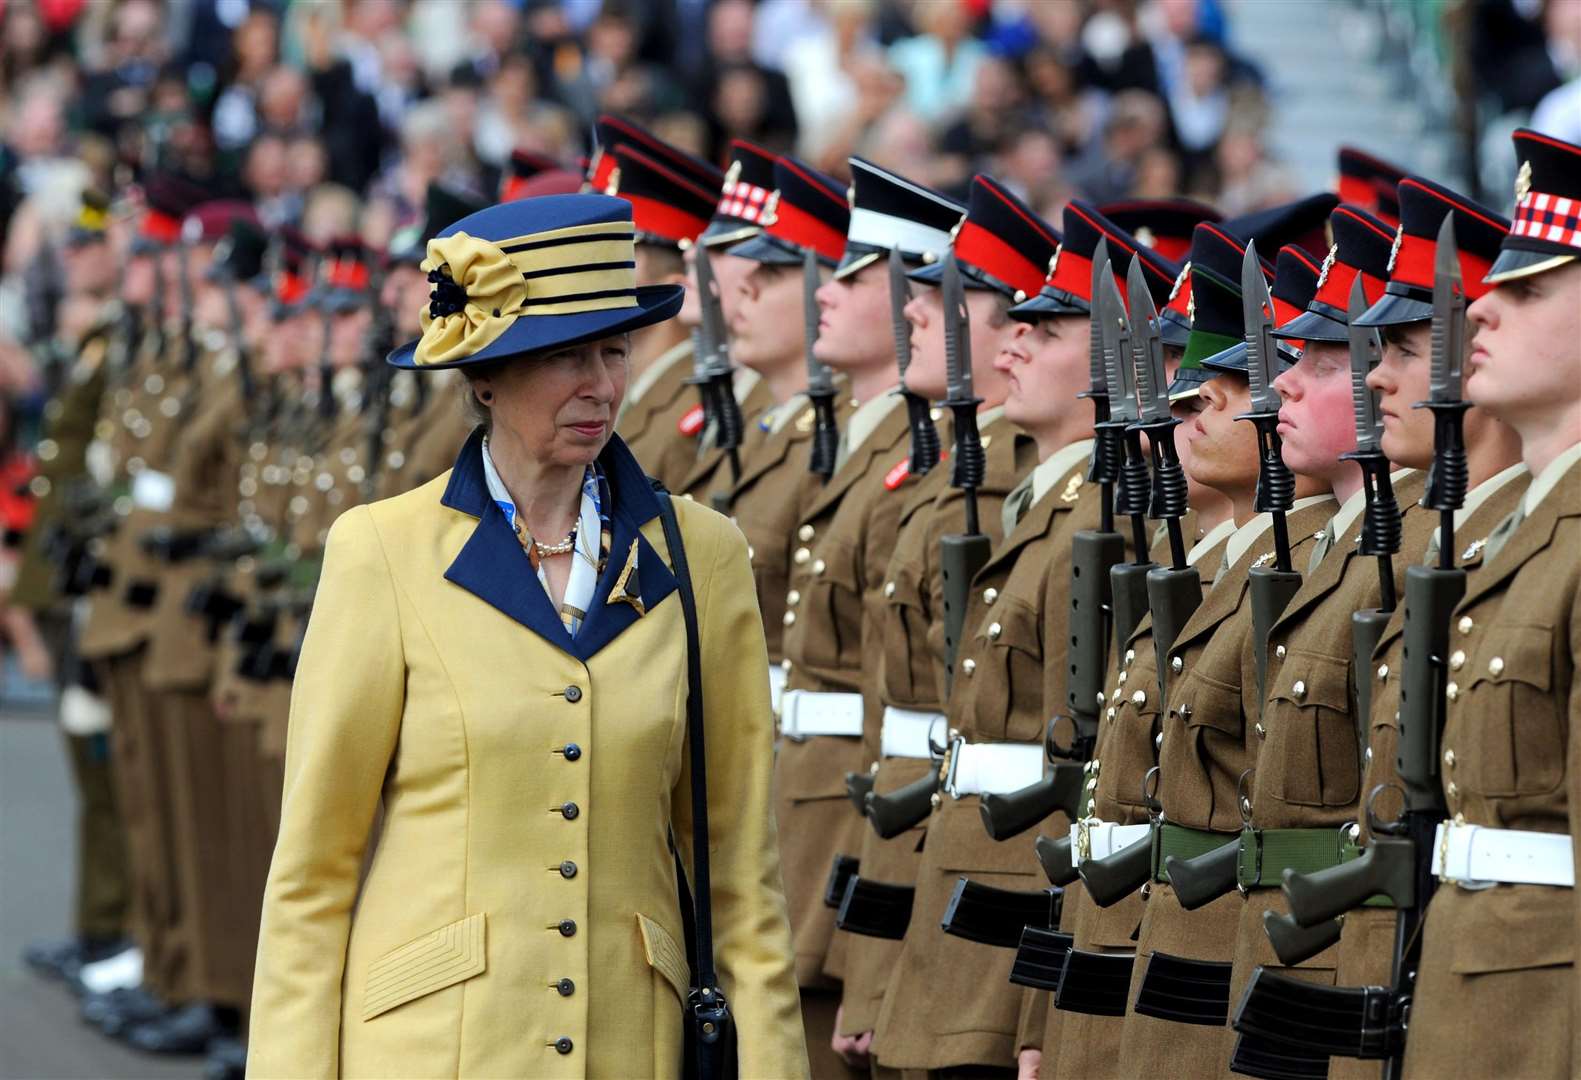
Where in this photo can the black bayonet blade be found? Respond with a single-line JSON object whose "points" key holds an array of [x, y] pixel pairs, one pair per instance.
{"points": [[713, 321], [1257, 307], [899, 295], [1152, 391], [1117, 353], [819, 381], [1365, 350], [1098, 385], [957, 333], [1449, 318]]}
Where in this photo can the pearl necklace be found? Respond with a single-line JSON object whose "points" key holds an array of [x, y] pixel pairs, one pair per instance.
{"points": [[564, 547]]}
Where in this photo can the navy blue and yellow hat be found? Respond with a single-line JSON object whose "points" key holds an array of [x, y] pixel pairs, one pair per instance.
{"points": [[1296, 276], [889, 211], [1408, 297], [743, 197], [1069, 282], [531, 275], [807, 209], [1547, 228], [1000, 244], [1361, 249]]}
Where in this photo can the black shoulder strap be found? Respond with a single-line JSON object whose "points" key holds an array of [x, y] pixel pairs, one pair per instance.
{"points": [[703, 928]]}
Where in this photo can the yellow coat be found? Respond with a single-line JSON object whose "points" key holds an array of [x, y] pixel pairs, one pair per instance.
{"points": [[519, 916]]}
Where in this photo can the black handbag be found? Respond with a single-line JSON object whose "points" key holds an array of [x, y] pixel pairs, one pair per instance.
{"points": [[709, 1029]]}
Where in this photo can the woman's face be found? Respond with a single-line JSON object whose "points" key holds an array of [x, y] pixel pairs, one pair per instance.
{"points": [[560, 406]]}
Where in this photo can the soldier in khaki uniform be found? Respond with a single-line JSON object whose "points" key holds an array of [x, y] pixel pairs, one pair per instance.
{"points": [[1496, 989], [88, 321]]}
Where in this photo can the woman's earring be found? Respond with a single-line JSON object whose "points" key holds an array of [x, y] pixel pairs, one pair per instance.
{"points": [[487, 397]]}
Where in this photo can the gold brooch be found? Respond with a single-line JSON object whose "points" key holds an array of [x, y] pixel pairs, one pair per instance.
{"points": [[625, 590]]}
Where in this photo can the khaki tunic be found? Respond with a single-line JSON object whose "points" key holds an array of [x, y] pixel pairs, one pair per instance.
{"points": [[844, 537], [1365, 953], [651, 424], [1209, 741], [1497, 989], [910, 673], [948, 1003], [708, 472]]}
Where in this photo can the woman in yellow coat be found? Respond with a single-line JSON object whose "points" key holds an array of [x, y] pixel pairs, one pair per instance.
{"points": [[499, 658]]}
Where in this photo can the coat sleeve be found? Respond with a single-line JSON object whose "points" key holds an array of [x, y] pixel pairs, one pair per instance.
{"points": [[346, 707], [752, 940]]}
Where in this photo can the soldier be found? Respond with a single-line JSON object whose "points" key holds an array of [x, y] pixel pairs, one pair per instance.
{"points": [[1497, 958], [1369, 182], [43, 591]]}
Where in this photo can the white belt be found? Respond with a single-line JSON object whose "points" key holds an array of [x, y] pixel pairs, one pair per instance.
{"points": [[803, 712], [777, 677], [1094, 839], [906, 732], [994, 768], [1472, 853]]}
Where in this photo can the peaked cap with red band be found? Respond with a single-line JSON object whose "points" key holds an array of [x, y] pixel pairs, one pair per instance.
{"points": [[1067, 289], [806, 210], [1547, 228], [1219, 247], [167, 200], [1165, 225], [1478, 233], [670, 209], [748, 184], [1296, 275], [522, 167], [207, 223], [1370, 183], [290, 284], [614, 131], [1000, 244], [343, 276], [1361, 246]]}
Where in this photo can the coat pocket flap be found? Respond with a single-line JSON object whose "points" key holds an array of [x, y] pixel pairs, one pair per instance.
{"points": [[1202, 701], [1511, 928], [664, 955], [1519, 653], [434, 961], [1309, 679], [1014, 625]]}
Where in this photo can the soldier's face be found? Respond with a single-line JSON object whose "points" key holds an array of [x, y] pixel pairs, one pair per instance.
{"points": [[1317, 421], [766, 328], [853, 321], [1400, 381], [1223, 450], [405, 294], [1522, 367], [1044, 364], [347, 333], [558, 408], [89, 267], [925, 312], [209, 309], [137, 283]]}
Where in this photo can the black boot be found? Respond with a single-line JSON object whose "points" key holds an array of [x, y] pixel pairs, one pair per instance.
{"points": [[62, 959], [119, 1010], [227, 1060], [187, 1030]]}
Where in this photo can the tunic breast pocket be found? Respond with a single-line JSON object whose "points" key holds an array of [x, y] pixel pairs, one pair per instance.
{"points": [[908, 664], [1009, 647], [1311, 735], [1128, 743], [832, 605], [1506, 706]]}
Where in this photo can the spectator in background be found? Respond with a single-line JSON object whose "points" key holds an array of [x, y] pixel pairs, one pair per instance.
{"points": [[1066, 108], [254, 54], [1136, 123], [434, 148], [1247, 179], [819, 60], [1028, 160], [746, 99], [940, 63], [1200, 101], [117, 92], [993, 115]]}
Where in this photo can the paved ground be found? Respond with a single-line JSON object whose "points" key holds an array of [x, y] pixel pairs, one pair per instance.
{"points": [[40, 1035]]}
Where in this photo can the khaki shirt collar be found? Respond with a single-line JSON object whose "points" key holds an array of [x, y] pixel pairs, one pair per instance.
{"points": [[1208, 542], [1549, 478], [656, 371], [1244, 537], [1053, 469]]}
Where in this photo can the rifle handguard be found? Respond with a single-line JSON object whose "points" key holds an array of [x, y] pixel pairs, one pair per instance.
{"points": [[1271, 591], [960, 557], [1201, 880], [1111, 879], [858, 785], [1128, 589], [1173, 597], [1012, 814], [1388, 866], [1295, 944], [1054, 853], [1093, 555], [902, 809]]}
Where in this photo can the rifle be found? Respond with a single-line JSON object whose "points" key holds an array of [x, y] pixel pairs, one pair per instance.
{"points": [[1271, 588], [924, 436], [189, 346], [961, 555], [820, 383], [718, 387], [991, 916], [904, 808], [1398, 860]]}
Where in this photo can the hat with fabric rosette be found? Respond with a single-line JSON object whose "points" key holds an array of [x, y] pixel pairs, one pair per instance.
{"points": [[530, 275]]}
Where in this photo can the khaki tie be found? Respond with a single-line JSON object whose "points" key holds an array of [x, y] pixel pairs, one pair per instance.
{"points": [[1017, 503], [1502, 532]]}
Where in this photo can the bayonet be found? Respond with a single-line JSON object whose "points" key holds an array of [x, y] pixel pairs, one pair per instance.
{"points": [[820, 383], [1366, 348], [1446, 483], [720, 388], [924, 436], [1276, 485], [1168, 502], [957, 339]]}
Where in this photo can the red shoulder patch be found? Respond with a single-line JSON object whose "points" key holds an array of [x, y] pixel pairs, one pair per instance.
{"points": [[897, 476], [691, 421]]}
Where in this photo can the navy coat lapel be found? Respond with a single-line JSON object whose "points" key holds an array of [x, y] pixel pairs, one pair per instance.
{"points": [[492, 566]]}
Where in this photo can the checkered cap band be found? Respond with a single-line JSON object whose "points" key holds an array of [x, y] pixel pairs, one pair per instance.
{"points": [[740, 199], [1553, 218]]}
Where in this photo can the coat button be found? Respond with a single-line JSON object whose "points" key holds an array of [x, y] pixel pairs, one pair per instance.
{"points": [[1130, 656], [1101, 699], [571, 811], [1451, 790], [1158, 741], [994, 630], [801, 556], [568, 869], [1299, 690], [1177, 665], [566, 987], [793, 597], [889, 589], [1452, 691], [1449, 758], [1123, 676], [1496, 666], [819, 566], [1262, 732], [1466, 624], [1139, 698], [1383, 672], [572, 751], [1279, 652], [805, 533], [990, 595], [789, 619], [1457, 660], [968, 665], [567, 927], [573, 694], [564, 1045]]}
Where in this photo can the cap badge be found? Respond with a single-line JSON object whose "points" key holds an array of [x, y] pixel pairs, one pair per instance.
{"points": [[613, 187], [732, 174], [1394, 251], [850, 197], [1145, 237], [956, 229], [1523, 181], [1054, 259], [771, 208], [1191, 309], [1328, 264], [1180, 279]]}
